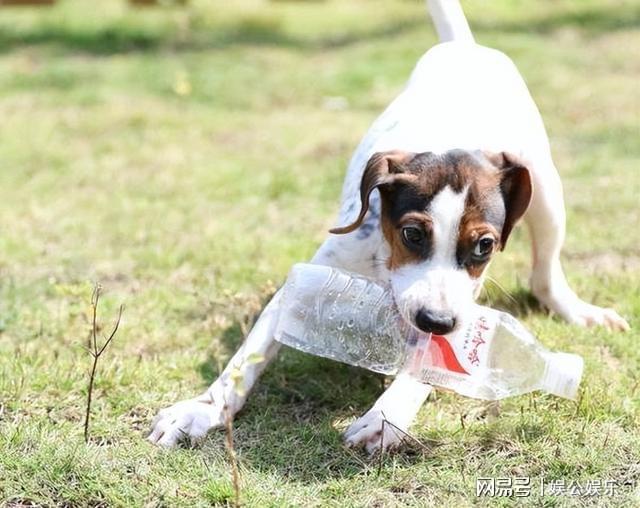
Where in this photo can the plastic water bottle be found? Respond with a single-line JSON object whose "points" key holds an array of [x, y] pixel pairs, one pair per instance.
{"points": [[352, 319], [343, 316]]}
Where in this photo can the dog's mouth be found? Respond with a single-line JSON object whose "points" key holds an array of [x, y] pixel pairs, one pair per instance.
{"points": [[429, 321]]}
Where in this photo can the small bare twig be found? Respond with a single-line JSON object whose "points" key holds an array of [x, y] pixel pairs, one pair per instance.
{"points": [[384, 420], [236, 376], [235, 473], [96, 352], [405, 434]]}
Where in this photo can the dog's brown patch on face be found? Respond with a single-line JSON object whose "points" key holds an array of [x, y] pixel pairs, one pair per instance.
{"points": [[482, 220], [498, 191], [471, 232], [401, 253], [406, 204]]}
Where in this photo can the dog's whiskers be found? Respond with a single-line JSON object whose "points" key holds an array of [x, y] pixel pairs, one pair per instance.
{"points": [[497, 285]]}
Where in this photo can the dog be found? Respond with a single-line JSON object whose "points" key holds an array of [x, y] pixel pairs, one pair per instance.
{"points": [[432, 193]]}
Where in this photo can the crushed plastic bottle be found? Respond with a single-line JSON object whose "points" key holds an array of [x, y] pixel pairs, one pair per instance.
{"points": [[352, 319]]}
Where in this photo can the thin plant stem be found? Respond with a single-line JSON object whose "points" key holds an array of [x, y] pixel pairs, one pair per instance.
{"points": [[96, 352]]}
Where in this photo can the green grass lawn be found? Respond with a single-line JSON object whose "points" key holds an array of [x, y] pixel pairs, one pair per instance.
{"points": [[185, 158]]}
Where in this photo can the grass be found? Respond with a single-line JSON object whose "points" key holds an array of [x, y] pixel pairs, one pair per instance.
{"points": [[186, 157]]}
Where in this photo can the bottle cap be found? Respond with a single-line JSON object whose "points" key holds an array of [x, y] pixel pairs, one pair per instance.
{"points": [[563, 374]]}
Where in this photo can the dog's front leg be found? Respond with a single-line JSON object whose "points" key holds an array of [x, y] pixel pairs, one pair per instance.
{"points": [[386, 423], [191, 419]]}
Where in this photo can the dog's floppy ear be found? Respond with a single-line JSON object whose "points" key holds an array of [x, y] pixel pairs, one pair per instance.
{"points": [[516, 189], [382, 169]]}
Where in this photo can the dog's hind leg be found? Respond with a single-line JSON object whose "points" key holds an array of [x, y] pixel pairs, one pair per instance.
{"points": [[191, 419], [546, 220]]}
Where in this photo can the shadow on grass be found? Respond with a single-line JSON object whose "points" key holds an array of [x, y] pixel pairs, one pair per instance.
{"points": [[292, 422], [519, 303], [593, 20], [230, 340], [288, 424], [247, 31], [258, 30]]}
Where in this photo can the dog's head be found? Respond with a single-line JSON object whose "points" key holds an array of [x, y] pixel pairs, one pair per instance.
{"points": [[443, 217]]}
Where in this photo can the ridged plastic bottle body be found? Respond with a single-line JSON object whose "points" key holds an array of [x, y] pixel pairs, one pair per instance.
{"points": [[345, 317], [352, 319]]}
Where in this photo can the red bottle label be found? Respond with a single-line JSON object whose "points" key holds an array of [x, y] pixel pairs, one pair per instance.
{"points": [[441, 355]]}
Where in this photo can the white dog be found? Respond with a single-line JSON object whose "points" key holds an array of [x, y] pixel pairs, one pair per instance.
{"points": [[431, 193]]}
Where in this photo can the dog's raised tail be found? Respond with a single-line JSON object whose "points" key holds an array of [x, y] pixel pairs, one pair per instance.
{"points": [[449, 19]]}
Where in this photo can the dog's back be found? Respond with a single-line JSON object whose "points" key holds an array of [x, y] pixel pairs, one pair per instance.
{"points": [[460, 95]]}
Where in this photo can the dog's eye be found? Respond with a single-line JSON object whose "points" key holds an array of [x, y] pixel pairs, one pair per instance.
{"points": [[483, 248], [413, 236]]}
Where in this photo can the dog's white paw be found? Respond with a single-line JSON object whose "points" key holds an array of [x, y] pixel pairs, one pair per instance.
{"points": [[585, 314], [574, 310], [367, 431], [188, 420]]}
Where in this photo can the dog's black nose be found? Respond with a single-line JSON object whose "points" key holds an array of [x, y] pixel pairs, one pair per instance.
{"points": [[439, 323]]}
